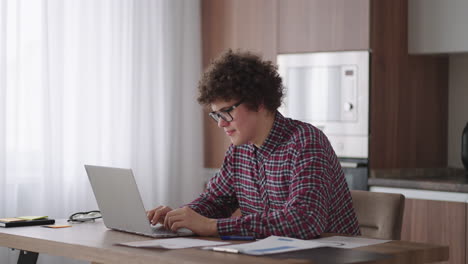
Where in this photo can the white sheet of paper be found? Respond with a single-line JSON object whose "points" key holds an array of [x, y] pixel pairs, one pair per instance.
{"points": [[350, 242], [174, 243], [270, 245], [276, 244]]}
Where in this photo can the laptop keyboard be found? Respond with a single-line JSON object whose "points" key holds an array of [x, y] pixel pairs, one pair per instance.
{"points": [[160, 230]]}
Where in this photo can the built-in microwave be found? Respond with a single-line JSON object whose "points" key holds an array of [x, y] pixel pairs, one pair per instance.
{"points": [[330, 90]]}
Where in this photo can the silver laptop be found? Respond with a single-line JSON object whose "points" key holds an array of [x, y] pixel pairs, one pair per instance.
{"points": [[120, 203]]}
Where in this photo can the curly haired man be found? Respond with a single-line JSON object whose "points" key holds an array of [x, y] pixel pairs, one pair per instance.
{"points": [[281, 173]]}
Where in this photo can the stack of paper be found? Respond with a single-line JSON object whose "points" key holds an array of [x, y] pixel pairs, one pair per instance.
{"points": [[174, 243], [276, 244], [35, 217]]}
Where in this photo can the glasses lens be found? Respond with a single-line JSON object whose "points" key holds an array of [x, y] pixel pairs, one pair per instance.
{"points": [[226, 116], [86, 216], [214, 116], [93, 215]]}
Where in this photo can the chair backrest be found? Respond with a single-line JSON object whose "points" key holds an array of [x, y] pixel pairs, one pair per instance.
{"points": [[380, 215]]}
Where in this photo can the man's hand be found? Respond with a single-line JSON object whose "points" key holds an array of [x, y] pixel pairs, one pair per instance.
{"points": [[188, 218], [158, 214]]}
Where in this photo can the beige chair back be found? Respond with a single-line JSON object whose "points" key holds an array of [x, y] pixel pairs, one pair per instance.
{"points": [[380, 215]]}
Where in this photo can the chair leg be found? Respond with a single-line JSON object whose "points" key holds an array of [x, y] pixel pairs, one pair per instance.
{"points": [[27, 257]]}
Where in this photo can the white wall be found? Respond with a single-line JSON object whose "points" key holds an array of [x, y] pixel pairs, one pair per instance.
{"points": [[458, 106]]}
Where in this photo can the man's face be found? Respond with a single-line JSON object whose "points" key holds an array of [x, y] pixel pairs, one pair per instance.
{"points": [[242, 129]]}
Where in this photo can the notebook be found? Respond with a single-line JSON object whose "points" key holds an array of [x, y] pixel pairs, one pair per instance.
{"points": [[120, 203], [15, 222]]}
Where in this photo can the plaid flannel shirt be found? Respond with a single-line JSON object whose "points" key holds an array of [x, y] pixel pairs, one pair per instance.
{"points": [[293, 185]]}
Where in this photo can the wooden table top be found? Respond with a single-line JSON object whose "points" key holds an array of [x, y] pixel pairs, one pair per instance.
{"points": [[94, 242]]}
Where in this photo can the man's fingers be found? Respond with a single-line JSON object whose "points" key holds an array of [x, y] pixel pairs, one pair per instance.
{"points": [[159, 214], [175, 222], [166, 219], [150, 213], [156, 217], [177, 225], [173, 216]]}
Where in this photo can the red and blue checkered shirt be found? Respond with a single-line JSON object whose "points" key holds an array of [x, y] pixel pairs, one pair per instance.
{"points": [[293, 185]]}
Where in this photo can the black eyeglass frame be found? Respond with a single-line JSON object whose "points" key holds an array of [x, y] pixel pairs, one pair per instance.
{"points": [[70, 219], [216, 115]]}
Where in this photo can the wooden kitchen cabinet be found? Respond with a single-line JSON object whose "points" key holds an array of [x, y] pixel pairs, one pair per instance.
{"points": [[317, 25], [236, 24], [466, 233], [437, 222], [262, 25], [239, 24], [437, 26], [408, 93]]}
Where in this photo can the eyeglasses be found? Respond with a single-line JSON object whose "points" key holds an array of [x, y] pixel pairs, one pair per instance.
{"points": [[85, 216], [224, 114]]}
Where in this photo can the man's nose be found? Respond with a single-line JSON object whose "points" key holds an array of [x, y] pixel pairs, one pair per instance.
{"points": [[222, 123]]}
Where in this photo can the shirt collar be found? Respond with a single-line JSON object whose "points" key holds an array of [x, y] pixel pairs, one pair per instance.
{"points": [[273, 139]]}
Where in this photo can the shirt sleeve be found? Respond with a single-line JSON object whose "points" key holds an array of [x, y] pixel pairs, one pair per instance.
{"points": [[305, 213], [219, 200]]}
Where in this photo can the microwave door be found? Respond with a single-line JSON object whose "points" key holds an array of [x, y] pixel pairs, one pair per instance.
{"points": [[315, 95]]}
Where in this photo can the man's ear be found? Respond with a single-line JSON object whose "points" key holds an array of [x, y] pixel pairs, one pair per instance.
{"points": [[262, 108]]}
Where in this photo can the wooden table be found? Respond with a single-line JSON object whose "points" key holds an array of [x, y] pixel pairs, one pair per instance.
{"points": [[95, 243]]}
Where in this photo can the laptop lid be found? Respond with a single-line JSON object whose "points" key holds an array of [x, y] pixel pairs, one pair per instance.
{"points": [[118, 199]]}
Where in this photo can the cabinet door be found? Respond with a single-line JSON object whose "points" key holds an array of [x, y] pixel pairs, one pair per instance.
{"points": [[239, 24], [317, 25], [236, 24], [409, 96], [436, 26], [436, 222]]}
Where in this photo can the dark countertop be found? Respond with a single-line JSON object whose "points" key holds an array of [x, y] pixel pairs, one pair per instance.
{"points": [[434, 179]]}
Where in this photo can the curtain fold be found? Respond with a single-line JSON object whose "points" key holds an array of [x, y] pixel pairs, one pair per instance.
{"points": [[110, 83]]}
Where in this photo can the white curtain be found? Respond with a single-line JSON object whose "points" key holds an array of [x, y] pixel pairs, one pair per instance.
{"points": [[108, 82]]}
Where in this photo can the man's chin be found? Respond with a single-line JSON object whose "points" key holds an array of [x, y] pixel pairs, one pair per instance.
{"points": [[236, 142]]}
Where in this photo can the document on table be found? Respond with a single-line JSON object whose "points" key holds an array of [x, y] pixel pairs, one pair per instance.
{"points": [[350, 242], [173, 243], [276, 244]]}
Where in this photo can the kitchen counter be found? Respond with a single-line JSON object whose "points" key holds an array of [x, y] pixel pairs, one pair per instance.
{"points": [[434, 179]]}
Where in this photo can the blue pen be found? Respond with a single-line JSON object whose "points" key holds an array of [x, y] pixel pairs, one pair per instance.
{"points": [[237, 237]]}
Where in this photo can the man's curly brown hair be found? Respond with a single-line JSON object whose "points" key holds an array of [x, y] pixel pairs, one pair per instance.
{"points": [[242, 76]]}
